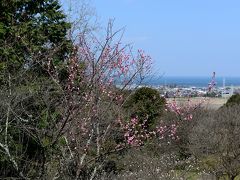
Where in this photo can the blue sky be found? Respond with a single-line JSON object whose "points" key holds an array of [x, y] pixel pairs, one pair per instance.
{"points": [[184, 37]]}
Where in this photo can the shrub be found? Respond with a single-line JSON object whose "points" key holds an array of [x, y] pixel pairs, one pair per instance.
{"points": [[233, 100], [215, 141], [146, 103]]}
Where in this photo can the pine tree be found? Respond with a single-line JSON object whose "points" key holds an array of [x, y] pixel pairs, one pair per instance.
{"points": [[30, 33]]}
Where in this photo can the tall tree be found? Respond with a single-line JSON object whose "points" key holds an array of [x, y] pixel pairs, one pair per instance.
{"points": [[33, 37], [30, 33]]}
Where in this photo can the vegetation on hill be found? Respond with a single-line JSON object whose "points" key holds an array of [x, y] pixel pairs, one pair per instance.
{"points": [[146, 103], [233, 100], [66, 112]]}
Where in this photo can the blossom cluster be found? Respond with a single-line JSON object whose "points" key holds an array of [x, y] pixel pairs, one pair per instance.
{"points": [[136, 132]]}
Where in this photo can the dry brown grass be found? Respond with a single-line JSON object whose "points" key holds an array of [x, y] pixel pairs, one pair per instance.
{"points": [[209, 102]]}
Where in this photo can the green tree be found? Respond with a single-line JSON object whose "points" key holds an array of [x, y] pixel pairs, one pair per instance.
{"points": [[233, 100], [31, 32], [147, 104]]}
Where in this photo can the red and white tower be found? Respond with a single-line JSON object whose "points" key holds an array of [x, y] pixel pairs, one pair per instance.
{"points": [[213, 83]]}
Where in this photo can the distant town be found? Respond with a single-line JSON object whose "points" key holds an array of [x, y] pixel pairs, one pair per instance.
{"points": [[171, 91], [210, 90]]}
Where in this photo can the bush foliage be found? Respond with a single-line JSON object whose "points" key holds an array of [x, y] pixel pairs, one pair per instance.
{"points": [[233, 100], [65, 111], [146, 103]]}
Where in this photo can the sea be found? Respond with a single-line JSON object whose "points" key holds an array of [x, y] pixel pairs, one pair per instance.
{"points": [[191, 81]]}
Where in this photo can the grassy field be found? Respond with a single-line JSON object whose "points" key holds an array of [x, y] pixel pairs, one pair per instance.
{"points": [[211, 103]]}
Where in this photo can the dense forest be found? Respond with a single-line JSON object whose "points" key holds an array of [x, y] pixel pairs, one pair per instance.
{"points": [[67, 110]]}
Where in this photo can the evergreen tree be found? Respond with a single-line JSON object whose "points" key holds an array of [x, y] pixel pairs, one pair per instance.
{"points": [[146, 103], [30, 33], [233, 100]]}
